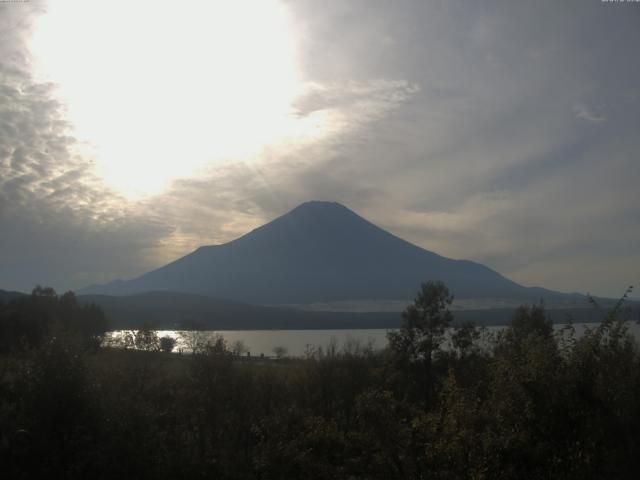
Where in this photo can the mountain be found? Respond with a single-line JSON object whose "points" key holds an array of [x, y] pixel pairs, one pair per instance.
{"points": [[319, 252]]}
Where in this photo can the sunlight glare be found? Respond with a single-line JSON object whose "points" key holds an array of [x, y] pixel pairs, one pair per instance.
{"points": [[162, 89]]}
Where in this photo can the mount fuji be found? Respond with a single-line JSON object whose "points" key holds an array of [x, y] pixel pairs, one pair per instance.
{"points": [[320, 252]]}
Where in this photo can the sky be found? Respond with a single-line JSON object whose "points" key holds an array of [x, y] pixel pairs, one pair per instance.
{"points": [[502, 132]]}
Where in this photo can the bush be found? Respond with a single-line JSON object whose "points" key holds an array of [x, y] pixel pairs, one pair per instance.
{"points": [[167, 344]]}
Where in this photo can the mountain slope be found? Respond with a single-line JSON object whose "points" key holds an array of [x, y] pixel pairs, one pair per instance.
{"points": [[319, 252]]}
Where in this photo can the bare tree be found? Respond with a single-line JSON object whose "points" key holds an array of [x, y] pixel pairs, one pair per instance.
{"points": [[239, 348], [279, 351], [194, 340]]}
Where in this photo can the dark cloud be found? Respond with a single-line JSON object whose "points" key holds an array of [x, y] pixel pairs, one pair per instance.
{"points": [[518, 149]]}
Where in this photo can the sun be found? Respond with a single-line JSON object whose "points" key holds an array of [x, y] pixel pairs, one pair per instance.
{"points": [[161, 89]]}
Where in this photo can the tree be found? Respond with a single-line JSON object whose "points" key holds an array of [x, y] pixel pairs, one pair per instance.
{"points": [[239, 348], [217, 346], [464, 337], [422, 332], [28, 321], [424, 323], [44, 292], [88, 322], [279, 351], [193, 340], [530, 320], [167, 344], [146, 339], [193, 336]]}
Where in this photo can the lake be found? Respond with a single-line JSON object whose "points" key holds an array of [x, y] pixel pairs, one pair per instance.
{"points": [[298, 342]]}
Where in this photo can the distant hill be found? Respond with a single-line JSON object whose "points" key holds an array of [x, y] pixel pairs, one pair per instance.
{"points": [[173, 311], [6, 296], [319, 252]]}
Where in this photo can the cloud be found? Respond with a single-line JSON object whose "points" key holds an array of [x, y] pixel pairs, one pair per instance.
{"points": [[587, 114], [486, 160], [465, 128], [371, 99], [60, 224]]}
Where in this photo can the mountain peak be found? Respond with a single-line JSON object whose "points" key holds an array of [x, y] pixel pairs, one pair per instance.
{"points": [[319, 203], [320, 206], [316, 221]]}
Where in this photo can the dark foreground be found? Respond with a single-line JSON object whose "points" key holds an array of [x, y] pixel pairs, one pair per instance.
{"points": [[529, 406]]}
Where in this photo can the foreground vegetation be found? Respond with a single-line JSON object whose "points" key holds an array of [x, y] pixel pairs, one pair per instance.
{"points": [[528, 404]]}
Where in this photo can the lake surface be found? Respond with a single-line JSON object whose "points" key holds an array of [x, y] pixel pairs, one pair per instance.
{"points": [[298, 343]]}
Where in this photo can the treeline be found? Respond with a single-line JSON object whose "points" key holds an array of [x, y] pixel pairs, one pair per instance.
{"points": [[527, 403], [27, 321]]}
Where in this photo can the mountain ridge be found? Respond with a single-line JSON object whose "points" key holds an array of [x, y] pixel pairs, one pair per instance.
{"points": [[319, 251]]}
